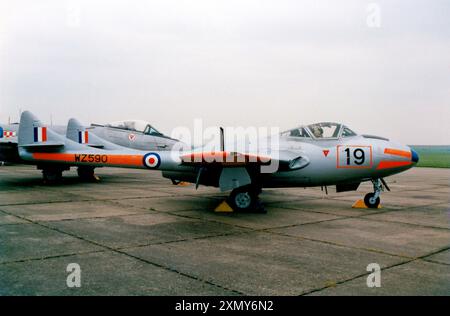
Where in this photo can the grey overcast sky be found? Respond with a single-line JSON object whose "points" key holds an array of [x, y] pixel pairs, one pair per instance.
{"points": [[232, 63]]}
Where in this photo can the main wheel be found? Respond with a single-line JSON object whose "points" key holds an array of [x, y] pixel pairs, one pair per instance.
{"points": [[245, 199], [86, 173], [371, 201], [52, 176]]}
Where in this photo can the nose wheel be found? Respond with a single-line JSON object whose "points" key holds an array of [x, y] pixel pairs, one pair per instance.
{"points": [[372, 200]]}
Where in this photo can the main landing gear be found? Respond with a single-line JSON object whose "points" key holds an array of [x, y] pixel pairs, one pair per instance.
{"points": [[86, 173], [372, 200], [52, 174], [246, 199]]}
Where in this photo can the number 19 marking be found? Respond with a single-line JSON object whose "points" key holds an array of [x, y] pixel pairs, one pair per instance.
{"points": [[352, 156]]}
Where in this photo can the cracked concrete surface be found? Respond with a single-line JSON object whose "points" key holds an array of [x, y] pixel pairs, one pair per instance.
{"points": [[134, 233]]}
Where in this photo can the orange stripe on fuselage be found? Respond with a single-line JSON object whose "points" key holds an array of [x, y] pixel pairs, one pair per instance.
{"points": [[392, 164], [126, 160], [54, 157], [133, 160], [398, 152]]}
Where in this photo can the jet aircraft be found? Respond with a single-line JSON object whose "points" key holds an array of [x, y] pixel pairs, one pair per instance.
{"points": [[321, 154], [136, 134]]}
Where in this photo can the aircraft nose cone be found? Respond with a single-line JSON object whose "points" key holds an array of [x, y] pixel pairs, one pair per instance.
{"points": [[414, 156]]}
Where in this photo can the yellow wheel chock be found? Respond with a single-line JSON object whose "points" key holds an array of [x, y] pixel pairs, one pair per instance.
{"points": [[360, 204], [223, 207]]}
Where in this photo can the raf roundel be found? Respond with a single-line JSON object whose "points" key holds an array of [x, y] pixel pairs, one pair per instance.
{"points": [[152, 160]]}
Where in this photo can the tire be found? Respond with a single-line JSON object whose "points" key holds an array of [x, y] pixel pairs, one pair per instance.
{"points": [[52, 176], [86, 173], [245, 199], [370, 201]]}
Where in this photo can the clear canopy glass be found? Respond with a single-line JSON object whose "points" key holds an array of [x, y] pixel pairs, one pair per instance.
{"points": [[324, 130], [135, 126]]}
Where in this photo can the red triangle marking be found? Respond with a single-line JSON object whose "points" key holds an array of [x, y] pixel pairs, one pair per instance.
{"points": [[326, 152]]}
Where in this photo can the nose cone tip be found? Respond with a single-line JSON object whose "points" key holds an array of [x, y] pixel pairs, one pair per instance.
{"points": [[414, 156]]}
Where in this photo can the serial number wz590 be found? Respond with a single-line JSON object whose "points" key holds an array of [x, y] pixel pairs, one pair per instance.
{"points": [[91, 158]]}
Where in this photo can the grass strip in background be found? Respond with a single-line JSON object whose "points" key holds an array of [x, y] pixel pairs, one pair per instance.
{"points": [[433, 156]]}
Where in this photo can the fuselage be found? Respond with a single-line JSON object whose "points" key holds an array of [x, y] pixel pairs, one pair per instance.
{"points": [[314, 155], [145, 140], [350, 159]]}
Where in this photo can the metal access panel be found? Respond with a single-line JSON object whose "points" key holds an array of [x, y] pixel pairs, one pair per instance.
{"points": [[232, 178]]}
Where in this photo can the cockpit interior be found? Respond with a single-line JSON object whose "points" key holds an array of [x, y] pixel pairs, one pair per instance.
{"points": [[139, 126], [324, 130]]}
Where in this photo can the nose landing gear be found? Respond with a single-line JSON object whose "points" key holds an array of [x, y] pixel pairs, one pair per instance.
{"points": [[372, 200]]}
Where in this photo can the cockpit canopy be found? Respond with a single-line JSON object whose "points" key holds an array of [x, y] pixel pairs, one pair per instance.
{"points": [[135, 126], [325, 130]]}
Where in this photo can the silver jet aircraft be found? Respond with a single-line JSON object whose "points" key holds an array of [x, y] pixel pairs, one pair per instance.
{"points": [[322, 154], [136, 134]]}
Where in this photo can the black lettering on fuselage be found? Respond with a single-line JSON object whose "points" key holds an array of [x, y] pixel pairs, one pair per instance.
{"points": [[91, 158]]}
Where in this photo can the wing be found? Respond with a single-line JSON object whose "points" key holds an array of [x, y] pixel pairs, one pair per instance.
{"points": [[235, 169], [223, 159]]}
